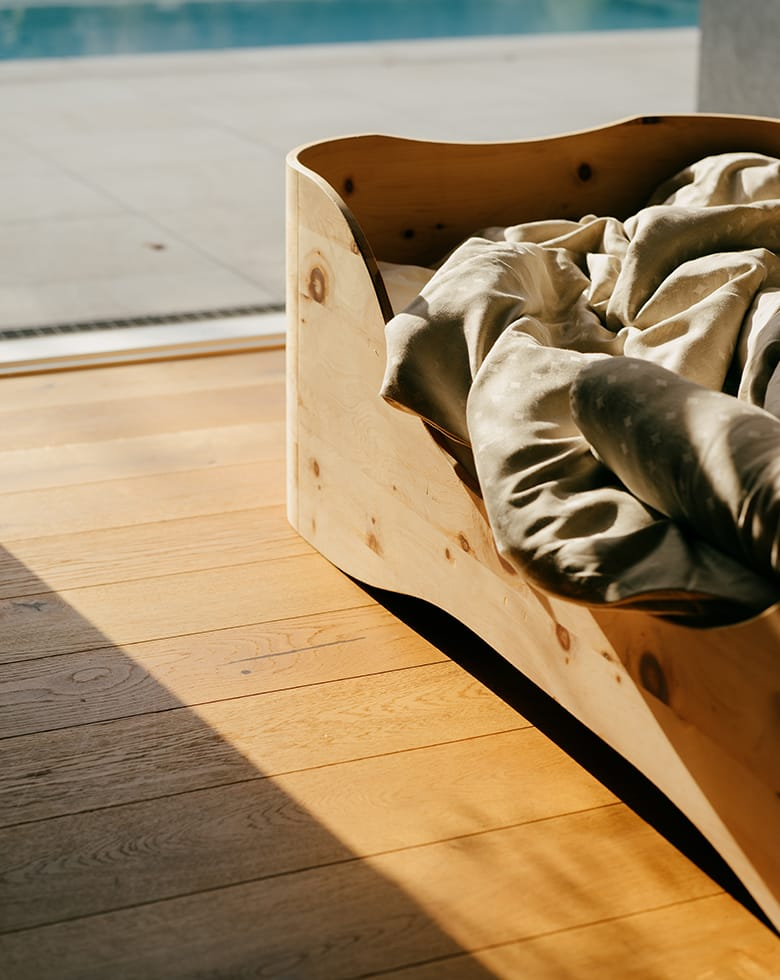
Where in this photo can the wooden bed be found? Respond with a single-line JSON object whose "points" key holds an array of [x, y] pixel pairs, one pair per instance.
{"points": [[696, 710]]}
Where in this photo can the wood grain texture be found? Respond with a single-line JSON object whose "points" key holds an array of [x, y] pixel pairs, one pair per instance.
{"points": [[45, 623], [74, 561], [138, 416], [134, 456], [416, 199], [140, 500], [109, 859], [368, 489], [220, 757], [702, 938], [149, 756], [41, 392], [99, 685], [357, 917]]}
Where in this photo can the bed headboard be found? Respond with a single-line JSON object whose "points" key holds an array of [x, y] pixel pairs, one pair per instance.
{"points": [[442, 192]]}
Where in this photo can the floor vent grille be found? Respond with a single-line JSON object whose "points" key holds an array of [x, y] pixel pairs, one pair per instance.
{"points": [[166, 319]]}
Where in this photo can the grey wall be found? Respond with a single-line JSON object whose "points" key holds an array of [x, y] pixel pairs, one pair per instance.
{"points": [[739, 62]]}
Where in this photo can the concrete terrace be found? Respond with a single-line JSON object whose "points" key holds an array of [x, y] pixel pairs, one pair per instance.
{"points": [[154, 184]]}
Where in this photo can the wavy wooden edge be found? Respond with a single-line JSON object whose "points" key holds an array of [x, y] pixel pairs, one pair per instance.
{"points": [[697, 711]]}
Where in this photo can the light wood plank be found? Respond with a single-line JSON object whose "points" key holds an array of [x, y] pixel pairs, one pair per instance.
{"points": [[71, 561], [708, 937], [171, 605], [41, 468], [139, 500], [136, 776], [151, 756], [148, 380], [131, 417], [109, 859], [98, 685], [359, 917]]}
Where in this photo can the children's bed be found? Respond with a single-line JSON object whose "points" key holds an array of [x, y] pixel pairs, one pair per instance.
{"points": [[390, 501]]}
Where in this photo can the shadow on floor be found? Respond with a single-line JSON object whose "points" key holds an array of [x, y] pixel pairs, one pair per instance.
{"points": [[138, 842], [588, 750]]}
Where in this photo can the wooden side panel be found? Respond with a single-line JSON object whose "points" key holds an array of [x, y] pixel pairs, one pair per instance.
{"points": [[414, 200], [696, 711]]}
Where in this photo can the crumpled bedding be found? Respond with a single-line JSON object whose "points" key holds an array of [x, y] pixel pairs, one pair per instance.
{"points": [[613, 387]]}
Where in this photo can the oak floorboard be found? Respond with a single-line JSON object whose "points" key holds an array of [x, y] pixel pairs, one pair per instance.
{"points": [[141, 852], [183, 671], [155, 755], [229, 768], [358, 916], [48, 623], [155, 378], [92, 558], [132, 417], [701, 938], [122, 458], [139, 500]]}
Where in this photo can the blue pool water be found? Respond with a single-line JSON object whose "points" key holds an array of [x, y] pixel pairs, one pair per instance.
{"points": [[59, 30]]}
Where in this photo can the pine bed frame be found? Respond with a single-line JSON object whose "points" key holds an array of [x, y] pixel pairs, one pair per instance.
{"points": [[697, 711]]}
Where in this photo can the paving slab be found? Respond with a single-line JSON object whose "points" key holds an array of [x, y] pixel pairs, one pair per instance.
{"points": [[106, 158]]}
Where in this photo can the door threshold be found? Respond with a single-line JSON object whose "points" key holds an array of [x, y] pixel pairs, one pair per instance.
{"points": [[96, 344]]}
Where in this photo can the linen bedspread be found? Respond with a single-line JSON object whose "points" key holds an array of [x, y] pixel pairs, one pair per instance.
{"points": [[613, 386]]}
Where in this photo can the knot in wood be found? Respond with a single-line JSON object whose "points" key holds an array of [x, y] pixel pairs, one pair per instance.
{"points": [[317, 285], [653, 678]]}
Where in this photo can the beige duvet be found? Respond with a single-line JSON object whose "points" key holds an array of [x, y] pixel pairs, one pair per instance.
{"points": [[613, 386]]}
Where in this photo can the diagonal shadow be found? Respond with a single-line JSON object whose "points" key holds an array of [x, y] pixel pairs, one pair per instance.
{"points": [[146, 845], [574, 738]]}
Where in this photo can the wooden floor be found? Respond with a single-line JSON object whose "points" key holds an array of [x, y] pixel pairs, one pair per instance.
{"points": [[222, 758]]}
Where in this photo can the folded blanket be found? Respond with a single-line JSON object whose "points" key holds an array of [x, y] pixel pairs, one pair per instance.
{"points": [[538, 349]]}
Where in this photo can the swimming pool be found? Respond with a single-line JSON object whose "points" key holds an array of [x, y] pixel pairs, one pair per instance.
{"points": [[40, 30]]}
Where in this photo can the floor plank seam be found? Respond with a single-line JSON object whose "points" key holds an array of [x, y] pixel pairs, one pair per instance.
{"points": [[158, 378], [285, 528], [146, 476], [133, 525], [121, 646], [233, 697], [195, 570], [267, 776], [297, 822], [306, 550], [95, 445], [580, 927], [310, 553], [342, 862]]}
